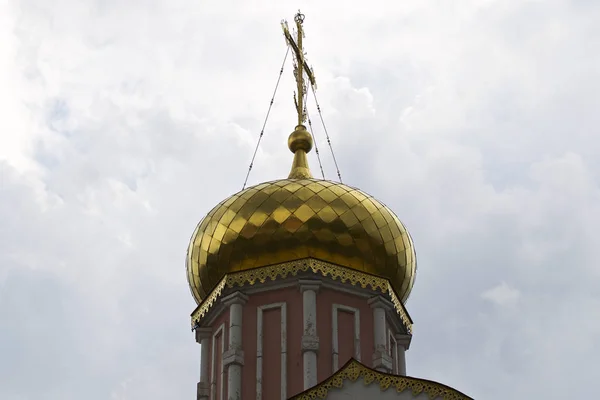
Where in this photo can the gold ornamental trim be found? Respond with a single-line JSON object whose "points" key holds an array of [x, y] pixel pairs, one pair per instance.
{"points": [[292, 268], [353, 370], [208, 302]]}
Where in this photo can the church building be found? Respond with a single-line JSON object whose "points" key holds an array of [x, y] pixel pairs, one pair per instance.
{"points": [[301, 285]]}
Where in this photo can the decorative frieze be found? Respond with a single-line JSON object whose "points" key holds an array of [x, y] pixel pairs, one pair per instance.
{"points": [[320, 268]]}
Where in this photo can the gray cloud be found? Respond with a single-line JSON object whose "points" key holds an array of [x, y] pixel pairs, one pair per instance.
{"points": [[126, 122]]}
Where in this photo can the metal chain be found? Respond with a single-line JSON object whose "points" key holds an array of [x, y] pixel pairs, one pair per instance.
{"points": [[311, 131], [326, 134], [266, 118]]}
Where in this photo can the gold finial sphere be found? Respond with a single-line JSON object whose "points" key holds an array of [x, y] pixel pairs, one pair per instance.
{"points": [[300, 139]]}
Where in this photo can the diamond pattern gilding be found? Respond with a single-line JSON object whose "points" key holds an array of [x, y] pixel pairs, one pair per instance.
{"points": [[290, 219], [386, 234], [304, 193], [370, 227], [315, 187], [359, 195], [249, 231], [390, 247], [237, 225], [349, 219], [327, 215], [218, 214], [339, 190], [227, 217], [229, 201], [304, 213], [281, 195], [293, 187], [369, 206], [338, 206], [316, 203], [361, 212], [220, 231], [327, 195], [292, 224], [348, 199], [377, 220], [229, 237], [281, 214], [257, 218], [246, 195]]}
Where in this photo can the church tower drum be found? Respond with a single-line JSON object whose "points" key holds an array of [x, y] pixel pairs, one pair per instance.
{"points": [[298, 280]]}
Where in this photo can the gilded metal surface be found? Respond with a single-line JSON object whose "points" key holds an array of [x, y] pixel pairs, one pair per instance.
{"points": [[292, 219], [353, 370], [204, 307], [300, 66], [300, 142], [284, 270], [298, 218]]}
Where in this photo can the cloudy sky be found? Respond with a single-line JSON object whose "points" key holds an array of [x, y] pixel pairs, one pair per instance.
{"points": [[124, 122]]}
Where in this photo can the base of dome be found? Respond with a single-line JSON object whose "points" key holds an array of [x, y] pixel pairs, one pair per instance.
{"points": [[303, 268]]}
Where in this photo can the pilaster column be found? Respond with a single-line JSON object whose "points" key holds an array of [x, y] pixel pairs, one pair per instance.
{"points": [[233, 358], [381, 359], [403, 343], [203, 338], [310, 340]]}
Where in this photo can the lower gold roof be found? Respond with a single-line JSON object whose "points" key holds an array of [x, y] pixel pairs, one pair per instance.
{"points": [[291, 219], [354, 370]]}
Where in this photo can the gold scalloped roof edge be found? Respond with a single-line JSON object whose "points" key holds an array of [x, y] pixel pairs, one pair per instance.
{"points": [[283, 270], [353, 370]]}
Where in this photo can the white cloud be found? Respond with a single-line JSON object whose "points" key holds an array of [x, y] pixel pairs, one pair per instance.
{"points": [[124, 123], [502, 295]]}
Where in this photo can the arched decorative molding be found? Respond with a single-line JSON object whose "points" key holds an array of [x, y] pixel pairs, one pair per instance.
{"points": [[334, 328], [213, 376], [259, 348]]}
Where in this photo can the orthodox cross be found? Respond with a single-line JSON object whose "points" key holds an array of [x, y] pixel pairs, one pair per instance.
{"points": [[300, 65]]}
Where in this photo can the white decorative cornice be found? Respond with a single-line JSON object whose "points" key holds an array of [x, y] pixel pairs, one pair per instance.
{"points": [[380, 302], [235, 298], [403, 340], [309, 284], [203, 333]]}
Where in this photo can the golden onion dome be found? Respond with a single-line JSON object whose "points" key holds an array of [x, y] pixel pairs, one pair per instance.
{"points": [[296, 218]]}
